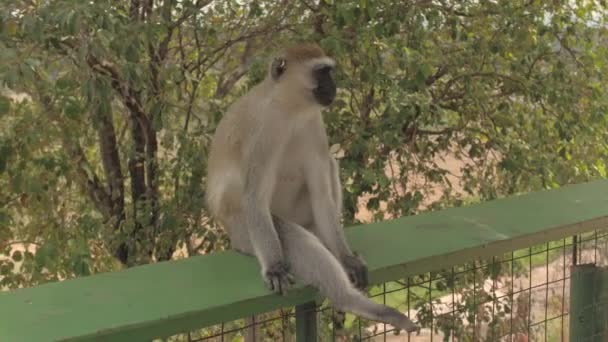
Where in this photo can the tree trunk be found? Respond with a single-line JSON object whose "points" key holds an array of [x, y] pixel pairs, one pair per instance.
{"points": [[114, 178], [137, 173]]}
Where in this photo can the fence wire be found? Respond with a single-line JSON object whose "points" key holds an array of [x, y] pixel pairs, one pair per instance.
{"points": [[520, 296]]}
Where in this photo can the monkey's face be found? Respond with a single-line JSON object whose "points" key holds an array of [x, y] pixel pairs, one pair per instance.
{"points": [[325, 89], [311, 77]]}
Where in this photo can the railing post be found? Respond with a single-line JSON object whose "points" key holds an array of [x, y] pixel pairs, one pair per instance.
{"points": [[306, 322], [588, 303]]}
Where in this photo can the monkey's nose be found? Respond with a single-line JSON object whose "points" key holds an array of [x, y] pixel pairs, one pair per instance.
{"points": [[325, 95]]}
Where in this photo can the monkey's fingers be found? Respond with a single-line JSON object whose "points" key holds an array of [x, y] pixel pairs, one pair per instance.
{"points": [[275, 284], [413, 329], [352, 276], [278, 278], [269, 283], [285, 285], [358, 277], [280, 288], [357, 271], [363, 280], [281, 284], [409, 326]]}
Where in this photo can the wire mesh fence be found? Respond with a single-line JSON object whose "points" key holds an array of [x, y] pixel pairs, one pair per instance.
{"points": [[520, 296]]}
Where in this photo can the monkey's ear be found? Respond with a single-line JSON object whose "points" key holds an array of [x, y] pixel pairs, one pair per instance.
{"points": [[278, 67]]}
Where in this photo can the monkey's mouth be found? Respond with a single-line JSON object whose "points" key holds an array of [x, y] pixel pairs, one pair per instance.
{"points": [[324, 95]]}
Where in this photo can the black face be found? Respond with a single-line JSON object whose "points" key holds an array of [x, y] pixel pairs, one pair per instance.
{"points": [[325, 92]]}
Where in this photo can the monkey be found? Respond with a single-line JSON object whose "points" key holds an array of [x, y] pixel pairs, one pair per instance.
{"points": [[275, 188]]}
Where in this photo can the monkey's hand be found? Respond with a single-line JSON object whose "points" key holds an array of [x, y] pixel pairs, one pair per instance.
{"points": [[278, 278], [356, 269]]}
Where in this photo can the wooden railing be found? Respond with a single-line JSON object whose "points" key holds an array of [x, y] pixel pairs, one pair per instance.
{"points": [[162, 299]]}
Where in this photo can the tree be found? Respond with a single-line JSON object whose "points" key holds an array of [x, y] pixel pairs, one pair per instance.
{"points": [[130, 76], [104, 159]]}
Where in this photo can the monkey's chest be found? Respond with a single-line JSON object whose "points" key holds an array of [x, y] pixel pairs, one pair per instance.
{"points": [[291, 199], [290, 177], [289, 186]]}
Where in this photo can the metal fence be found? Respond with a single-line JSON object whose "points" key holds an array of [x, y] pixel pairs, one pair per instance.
{"points": [[523, 295], [523, 268]]}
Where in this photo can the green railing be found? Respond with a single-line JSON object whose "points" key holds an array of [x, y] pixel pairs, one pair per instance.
{"points": [[168, 298]]}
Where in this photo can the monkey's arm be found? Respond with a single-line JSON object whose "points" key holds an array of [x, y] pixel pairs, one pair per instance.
{"points": [[261, 156]]}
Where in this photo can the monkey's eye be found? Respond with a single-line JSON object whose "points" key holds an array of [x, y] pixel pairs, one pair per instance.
{"points": [[278, 67], [323, 69]]}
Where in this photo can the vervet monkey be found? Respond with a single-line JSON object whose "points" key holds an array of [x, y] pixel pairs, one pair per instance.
{"points": [[275, 188]]}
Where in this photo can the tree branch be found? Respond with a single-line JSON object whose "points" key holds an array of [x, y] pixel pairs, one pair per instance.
{"points": [[226, 84], [89, 180], [198, 5]]}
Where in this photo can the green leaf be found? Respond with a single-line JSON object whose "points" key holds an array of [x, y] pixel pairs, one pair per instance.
{"points": [[17, 256], [74, 23], [65, 83], [132, 53], [373, 203], [81, 266], [156, 113], [104, 107], [17, 183], [11, 27], [45, 254], [73, 108], [6, 268], [5, 105], [5, 220], [169, 223]]}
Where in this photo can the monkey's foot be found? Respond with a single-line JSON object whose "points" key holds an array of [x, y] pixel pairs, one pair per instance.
{"points": [[406, 324], [278, 278], [338, 319], [397, 319], [357, 270]]}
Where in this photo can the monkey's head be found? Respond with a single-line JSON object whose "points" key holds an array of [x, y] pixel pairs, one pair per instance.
{"points": [[306, 70]]}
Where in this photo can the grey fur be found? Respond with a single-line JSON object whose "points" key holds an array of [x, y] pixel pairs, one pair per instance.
{"points": [[275, 188]]}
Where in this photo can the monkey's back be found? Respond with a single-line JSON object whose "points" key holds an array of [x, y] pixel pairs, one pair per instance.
{"points": [[225, 179]]}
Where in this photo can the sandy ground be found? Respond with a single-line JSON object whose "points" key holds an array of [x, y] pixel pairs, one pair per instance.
{"points": [[446, 161]]}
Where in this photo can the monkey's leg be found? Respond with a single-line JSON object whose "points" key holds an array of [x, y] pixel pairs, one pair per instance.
{"points": [[353, 264], [259, 239], [315, 265], [356, 270], [327, 209]]}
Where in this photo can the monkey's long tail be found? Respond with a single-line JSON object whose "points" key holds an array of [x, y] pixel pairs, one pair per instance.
{"points": [[313, 264]]}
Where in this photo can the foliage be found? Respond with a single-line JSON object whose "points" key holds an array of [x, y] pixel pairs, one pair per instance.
{"points": [[107, 108], [109, 149]]}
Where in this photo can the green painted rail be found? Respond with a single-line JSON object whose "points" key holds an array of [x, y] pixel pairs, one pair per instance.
{"points": [[162, 299]]}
